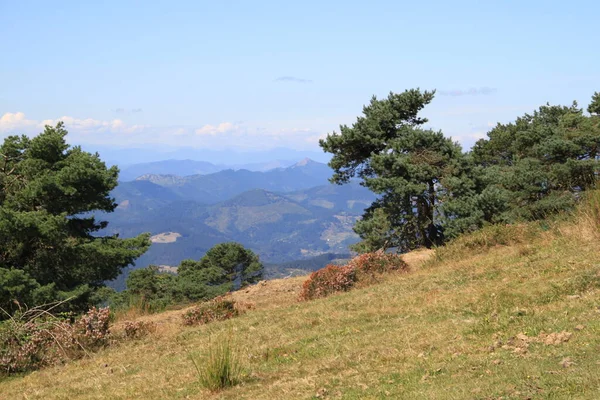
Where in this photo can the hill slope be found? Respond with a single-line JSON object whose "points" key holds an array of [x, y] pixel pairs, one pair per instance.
{"points": [[509, 312]]}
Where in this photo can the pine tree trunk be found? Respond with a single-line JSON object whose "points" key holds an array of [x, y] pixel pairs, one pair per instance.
{"points": [[429, 207]]}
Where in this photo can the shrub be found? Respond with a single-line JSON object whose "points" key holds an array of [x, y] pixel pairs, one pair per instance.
{"points": [[377, 263], [35, 338], [218, 309], [328, 280], [138, 329], [362, 269], [92, 329], [221, 369], [28, 346]]}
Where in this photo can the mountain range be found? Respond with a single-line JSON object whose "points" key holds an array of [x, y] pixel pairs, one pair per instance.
{"points": [[225, 184], [193, 167], [284, 215], [127, 156]]}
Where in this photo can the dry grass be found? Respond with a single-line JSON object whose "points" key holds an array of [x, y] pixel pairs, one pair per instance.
{"points": [[472, 323]]}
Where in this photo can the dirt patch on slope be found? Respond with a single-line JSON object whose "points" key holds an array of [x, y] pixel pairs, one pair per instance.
{"points": [[165, 237]]}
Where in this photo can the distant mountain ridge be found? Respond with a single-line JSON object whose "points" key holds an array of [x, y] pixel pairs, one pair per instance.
{"points": [[191, 167], [125, 157], [285, 215], [222, 185]]}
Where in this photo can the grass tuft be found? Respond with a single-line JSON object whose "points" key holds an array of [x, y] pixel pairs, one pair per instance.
{"points": [[221, 368]]}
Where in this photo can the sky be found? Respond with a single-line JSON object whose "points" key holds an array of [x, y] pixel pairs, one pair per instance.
{"points": [[259, 75]]}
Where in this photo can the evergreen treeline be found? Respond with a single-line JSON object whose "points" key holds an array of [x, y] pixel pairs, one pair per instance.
{"points": [[430, 190], [225, 267]]}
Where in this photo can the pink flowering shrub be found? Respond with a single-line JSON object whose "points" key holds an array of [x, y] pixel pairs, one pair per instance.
{"points": [[328, 280], [92, 328], [35, 339], [361, 270]]}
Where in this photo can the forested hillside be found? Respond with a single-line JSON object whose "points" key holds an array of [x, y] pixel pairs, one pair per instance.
{"points": [[279, 227], [223, 185]]}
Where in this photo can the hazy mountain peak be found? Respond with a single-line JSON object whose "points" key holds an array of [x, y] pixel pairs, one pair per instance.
{"points": [[304, 162], [147, 177], [163, 180]]}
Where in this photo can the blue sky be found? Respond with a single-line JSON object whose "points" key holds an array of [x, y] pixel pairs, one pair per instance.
{"points": [[252, 75]]}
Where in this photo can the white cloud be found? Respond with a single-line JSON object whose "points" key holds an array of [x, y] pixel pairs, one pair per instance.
{"points": [[293, 79], [223, 127], [462, 111], [316, 138], [117, 132], [15, 121], [93, 125], [224, 135], [178, 131]]}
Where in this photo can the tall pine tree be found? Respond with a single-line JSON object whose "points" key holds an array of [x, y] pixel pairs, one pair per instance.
{"points": [[393, 155], [49, 248]]}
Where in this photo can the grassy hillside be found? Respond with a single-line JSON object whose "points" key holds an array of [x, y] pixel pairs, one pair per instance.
{"points": [[509, 312]]}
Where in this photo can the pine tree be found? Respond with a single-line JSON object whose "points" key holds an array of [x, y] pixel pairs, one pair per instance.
{"points": [[542, 160], [226, 266], [48, 237], [393, 155]]}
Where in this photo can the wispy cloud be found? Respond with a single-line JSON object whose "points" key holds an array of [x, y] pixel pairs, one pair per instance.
{"points": [[482, 91], [223, 135], [491, 111], [17, 123], [292, 79]]}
